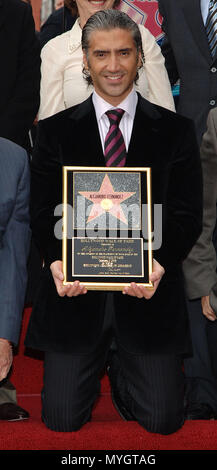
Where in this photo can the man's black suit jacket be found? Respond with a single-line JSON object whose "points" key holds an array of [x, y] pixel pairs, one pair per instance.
{"points": [[188, 58], [20, 71], [162, 140]]}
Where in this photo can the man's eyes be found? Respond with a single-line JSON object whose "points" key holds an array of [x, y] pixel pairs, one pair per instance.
{"points": [[125, 53], [102, 54]]}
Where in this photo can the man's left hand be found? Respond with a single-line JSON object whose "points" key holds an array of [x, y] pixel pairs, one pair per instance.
{"points": [[147, 292]]}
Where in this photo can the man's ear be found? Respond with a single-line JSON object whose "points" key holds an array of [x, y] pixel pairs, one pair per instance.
{"points": [[85, 61], [140, 61]]}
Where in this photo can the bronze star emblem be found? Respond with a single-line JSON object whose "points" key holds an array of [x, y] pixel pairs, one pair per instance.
{"points": [[106, 200]]}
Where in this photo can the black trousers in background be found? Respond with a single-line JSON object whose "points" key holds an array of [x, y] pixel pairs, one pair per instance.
{"points": [[200, 369], [151, 386]]}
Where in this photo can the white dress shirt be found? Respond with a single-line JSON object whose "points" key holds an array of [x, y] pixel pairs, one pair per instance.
{"points": [[63, 85], [204, 5], [126, 123]]}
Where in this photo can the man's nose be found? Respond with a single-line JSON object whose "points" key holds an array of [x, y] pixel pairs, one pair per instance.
{"points": [[113, 63]]}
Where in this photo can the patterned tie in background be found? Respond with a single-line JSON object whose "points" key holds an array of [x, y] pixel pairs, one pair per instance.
{"points": [[115, 150], [211, 26]]}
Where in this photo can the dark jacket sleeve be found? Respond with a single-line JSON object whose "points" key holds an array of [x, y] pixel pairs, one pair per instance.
{"points": [[15, 242], [46, 193], [21, 109], [184, 199], [167, 50], [200, 265], [57, 23]]}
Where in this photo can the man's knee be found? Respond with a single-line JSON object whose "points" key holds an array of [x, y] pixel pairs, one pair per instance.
{"points": [[163, 422], [62, 415], [61, 420]]}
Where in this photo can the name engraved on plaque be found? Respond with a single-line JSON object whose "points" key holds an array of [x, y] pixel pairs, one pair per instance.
{"points": [[108, 257]]}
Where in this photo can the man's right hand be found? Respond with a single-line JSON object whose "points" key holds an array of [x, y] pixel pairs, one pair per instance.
{"points": [[71, 290], [207, 309]]}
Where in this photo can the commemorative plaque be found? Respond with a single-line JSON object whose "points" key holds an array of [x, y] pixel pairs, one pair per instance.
{"points": [[107, 226]]}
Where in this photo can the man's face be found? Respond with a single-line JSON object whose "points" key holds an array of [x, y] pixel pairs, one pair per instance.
{"points": [[112, 62]]}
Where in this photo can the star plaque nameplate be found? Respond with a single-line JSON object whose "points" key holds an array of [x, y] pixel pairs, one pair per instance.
{"points": [[107, 226]]}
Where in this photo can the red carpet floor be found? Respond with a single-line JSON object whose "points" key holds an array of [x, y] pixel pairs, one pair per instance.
{"points": [[106, 431]]}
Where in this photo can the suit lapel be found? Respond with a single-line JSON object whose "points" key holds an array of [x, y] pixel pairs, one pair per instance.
{"points": [[145, 131], [192, 12], [88, 134], [87, 148]]}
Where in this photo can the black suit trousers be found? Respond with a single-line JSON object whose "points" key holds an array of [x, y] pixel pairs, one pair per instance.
{"points": [[151, 385]]}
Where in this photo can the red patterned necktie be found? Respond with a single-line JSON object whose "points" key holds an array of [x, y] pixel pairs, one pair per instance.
{"points": [[115, 150]]}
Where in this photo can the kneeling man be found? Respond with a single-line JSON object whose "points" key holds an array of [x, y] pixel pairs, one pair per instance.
{"points": [[75, 327]]}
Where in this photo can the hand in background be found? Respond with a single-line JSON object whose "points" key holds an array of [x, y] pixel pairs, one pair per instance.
{"points": [[207, 309], [6, 358]]}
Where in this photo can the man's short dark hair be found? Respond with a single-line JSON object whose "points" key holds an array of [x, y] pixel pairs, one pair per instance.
{"points": [[106, 20]]}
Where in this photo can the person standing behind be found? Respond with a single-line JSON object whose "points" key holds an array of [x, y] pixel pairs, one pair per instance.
{"points": [[204, 271], [188, 57], [201, 262], [19, 102], [14, 244], [203, 255], [190, 52], [20, 71]]}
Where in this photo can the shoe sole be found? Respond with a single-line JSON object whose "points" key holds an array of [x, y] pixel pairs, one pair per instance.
{"points": [[15, 419]]}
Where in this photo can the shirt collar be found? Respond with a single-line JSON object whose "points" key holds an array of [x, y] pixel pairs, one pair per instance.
{"points": [[204, 4], [128, 104], [74, 37]]}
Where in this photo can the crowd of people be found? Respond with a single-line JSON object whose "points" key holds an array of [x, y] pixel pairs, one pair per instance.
{"points": [[90, 79]]}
